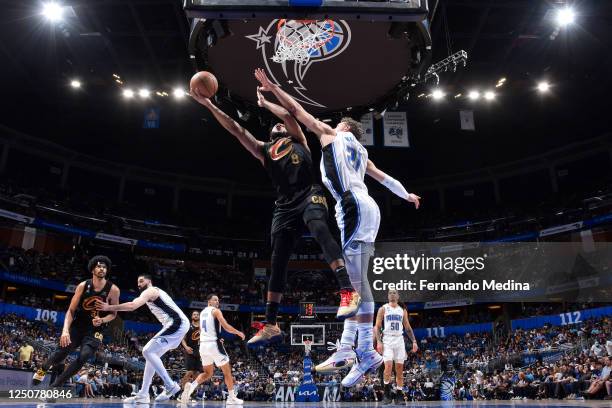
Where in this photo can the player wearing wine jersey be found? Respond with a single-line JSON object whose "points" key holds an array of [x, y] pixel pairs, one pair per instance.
{"points": [[300, 201], [84, 326], [175, 325], [213, 352], [190, 344], [392, 319], [344, 164]]}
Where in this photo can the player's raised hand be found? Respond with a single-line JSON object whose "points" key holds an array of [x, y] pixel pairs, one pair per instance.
{"points": [[199, 98], [413, 198], [266, 84], [65, 339], [100, 305], [261, 100]]}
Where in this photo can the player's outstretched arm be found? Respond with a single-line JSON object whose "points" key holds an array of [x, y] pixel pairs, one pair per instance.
{"points": [[323, 131], [245, 138], [148, 295], [113, 299], [292, 126], [410, 332], [72, 308], [217, 314], [378, 327], [392, 184]]}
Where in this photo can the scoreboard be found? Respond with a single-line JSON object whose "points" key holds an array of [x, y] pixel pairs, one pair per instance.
{"points": [[307, 311]]}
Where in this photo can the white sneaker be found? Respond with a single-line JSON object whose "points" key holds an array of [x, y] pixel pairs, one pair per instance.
{"points": [[138, 399], [344, 357], [233, 400], [168, 393], [369, 361], [186, 395]]}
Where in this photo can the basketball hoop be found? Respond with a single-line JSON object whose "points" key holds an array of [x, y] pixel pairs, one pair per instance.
{"points": [[299, 39]]}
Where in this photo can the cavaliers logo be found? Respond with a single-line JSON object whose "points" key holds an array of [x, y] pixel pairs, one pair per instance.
{"points": [[90, 302], [280, 149], [195, 336], [291, 74]]}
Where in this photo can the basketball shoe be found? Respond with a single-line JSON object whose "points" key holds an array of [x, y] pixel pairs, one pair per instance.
{"points": [[268, 334], [349, 303], [368, 361], [343, 357]]}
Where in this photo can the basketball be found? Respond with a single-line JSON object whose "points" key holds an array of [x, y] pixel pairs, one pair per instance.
{"points": [[205, 83]]}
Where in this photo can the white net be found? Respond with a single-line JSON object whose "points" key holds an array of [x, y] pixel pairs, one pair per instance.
{"points": [[298, 40], [307, 346]]}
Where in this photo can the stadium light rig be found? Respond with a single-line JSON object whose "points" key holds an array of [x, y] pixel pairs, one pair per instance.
{"points": [[438, 94], [178, 93], [53, 12], [144, 93], [128, 93], [543, 87], [75, 84], [566, 16], [474, 95], [489, 95]]}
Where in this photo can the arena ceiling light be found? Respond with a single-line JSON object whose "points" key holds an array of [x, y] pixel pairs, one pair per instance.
{"points": [[75, 83], [178, 93], [128, 93], [53, 12], [543, 87], [144, 93], [489, 95], [565, 16], [438, 94], [474, 95]]}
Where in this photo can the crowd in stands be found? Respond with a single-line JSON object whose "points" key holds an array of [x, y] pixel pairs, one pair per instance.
{"points": [[570, 362]]}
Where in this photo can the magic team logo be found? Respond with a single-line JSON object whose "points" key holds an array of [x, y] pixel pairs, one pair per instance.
{"points": [[290, 74]]}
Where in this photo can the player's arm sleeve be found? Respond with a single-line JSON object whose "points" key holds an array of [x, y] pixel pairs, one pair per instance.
{"points": [[408, 328], [386, 180]]}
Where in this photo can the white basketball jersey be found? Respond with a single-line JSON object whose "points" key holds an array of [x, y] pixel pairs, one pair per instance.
{"points": [[394, 317], [165, 310], [343, 165], [209, 326]]}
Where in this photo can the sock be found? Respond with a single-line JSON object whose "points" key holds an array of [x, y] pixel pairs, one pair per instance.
{"points": [[271, 312], [231, 393], [365, 340], [194, 385], [343, 278], [349, 333]]}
